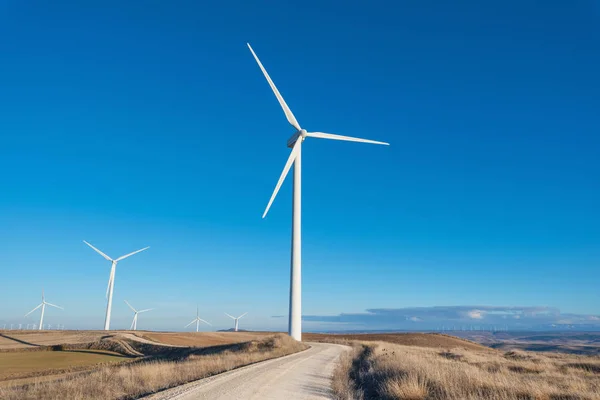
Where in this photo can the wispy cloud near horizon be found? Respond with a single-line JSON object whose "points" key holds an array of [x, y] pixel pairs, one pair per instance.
{"points": [[515, 317]]}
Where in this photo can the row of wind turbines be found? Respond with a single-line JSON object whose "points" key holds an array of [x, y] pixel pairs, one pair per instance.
{"points": [[295, 158], [133, 326], [58, 327]]}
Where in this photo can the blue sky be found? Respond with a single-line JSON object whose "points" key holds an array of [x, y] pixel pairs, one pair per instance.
{"points": [[136, 124]]}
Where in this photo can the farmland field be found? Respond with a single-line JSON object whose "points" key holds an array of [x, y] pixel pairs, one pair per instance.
{"points": [[201, 339], [18, 364]]}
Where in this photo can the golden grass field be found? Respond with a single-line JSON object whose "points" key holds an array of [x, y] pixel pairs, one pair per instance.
{"points": [[383, 370], [132, 380]]}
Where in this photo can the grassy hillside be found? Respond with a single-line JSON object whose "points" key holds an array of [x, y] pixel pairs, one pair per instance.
{"points": [[379, 370]]}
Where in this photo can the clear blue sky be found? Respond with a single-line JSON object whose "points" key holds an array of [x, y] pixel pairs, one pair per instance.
{"points": [[131, 124]]}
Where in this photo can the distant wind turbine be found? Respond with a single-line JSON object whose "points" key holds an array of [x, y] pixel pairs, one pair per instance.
{"points": [[236, 319], [135, 315], [295, 143], [43, 305], [111, 280], [197, 320]]}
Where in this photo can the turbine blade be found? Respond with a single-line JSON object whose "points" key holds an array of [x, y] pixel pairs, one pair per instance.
{"points": [[242, 315], [229, 316], [322, 135], [110, 279], [286, 169], [288, 113], [98, 251], [34, 309], [52, 305], [206, 322], [133, 309], [130, 254], [147, 309], [189, 323]]}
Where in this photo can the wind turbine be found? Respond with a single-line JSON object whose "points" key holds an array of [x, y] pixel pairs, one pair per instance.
{"points": [[197, 321], [135, 316], [236, 319], [295, 143], [111, 280], [43, 305]]}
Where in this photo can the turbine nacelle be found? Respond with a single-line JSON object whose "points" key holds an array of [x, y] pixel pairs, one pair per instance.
{"points": [[292, 140]]}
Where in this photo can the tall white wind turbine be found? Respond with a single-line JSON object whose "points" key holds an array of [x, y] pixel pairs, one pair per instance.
{"points": [[135, 315], [236, 319], [111, 280], [43, 305], [197, 320], [295, 143]]}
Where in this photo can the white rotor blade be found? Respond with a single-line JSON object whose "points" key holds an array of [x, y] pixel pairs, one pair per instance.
{"points": [[132, 322], [130, 254], [286, 169], [98, 251], [147, 309], [288, 113], [229, 316], [242, 315], [52, 305], [34, 309], [322, 135], [133, 309], [110, 279], [206, 322], [190, 323]]}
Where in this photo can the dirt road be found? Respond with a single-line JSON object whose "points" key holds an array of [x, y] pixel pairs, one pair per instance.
{"points": [[301, 376]]}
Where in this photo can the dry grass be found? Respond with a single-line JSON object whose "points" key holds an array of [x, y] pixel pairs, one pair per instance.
{"points": [[435, 340], [133, 381], [390, 371], [342, 382]]}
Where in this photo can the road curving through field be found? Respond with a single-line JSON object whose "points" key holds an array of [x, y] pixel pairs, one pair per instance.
{"points": [[301, 376]]}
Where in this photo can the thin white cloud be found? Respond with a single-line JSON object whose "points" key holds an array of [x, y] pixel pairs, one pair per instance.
{"points": [[475, 314]]}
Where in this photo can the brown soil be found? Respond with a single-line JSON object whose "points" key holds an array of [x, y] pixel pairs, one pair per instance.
{"points": [[23, 339], [201, 339], [433, 340]]}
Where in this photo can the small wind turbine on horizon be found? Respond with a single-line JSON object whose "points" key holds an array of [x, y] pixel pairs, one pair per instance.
{"points": [[236, 320], [295, 143], [43, 305], [135, 316], [197, 320], [111, 280]]}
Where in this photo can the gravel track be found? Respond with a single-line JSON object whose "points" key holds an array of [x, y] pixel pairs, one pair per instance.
{"points": [[301, 376]]}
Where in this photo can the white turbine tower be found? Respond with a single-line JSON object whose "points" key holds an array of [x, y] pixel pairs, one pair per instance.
{"points": [[236, 319], [135, 316], [295, 143], [197, 320], [111, 280], [43, 305]]}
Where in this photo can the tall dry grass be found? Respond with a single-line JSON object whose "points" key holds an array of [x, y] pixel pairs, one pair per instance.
{"points": [[388, 371], [133, 381]]}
